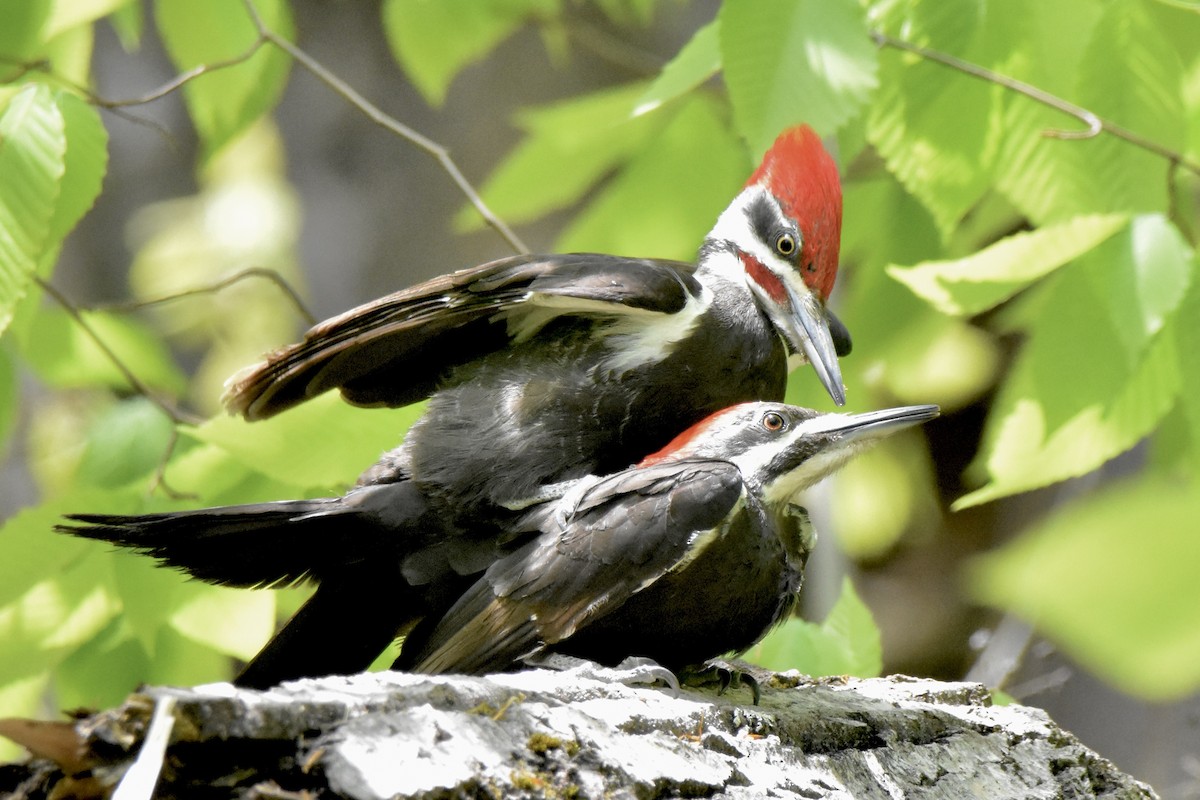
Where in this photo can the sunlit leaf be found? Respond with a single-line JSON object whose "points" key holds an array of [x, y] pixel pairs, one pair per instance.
{"points": [[970, 285], [698, 61], [10, 396], [789, 61], [85, 163], [846, 643], [1188, 365], [1111, 578], [665, 224], [433, 41], [1051, 178], [930, 125], [224, 101], [32, 550], [1090, 382], [54, 617], [236, 622], [33, 146], [100, 672], [324, 442], [64, 355], [125, 443], [71, 13], [20, 35]]}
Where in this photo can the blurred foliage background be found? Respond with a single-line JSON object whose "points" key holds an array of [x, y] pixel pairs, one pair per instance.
{"points": [[1021, 179]]}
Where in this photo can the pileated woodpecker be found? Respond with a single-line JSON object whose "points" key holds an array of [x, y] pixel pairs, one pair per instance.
{"points": [[694, 552], [542, 369]]}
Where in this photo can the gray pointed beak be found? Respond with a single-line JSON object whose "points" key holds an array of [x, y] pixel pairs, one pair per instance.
{"points": [[809, 332], [820, 446], [877, 424]]}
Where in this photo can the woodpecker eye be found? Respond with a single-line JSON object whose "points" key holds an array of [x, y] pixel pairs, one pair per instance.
{"points": [[785, 245], [773, 421]]}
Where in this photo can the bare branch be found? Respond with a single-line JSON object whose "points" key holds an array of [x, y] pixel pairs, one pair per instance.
{"points": [[376, 115], [216, 286], [177, 415], [1094, 123]]}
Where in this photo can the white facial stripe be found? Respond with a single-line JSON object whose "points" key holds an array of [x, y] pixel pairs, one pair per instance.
{"points": [[812, 471], [822, 464], [734, 225]]}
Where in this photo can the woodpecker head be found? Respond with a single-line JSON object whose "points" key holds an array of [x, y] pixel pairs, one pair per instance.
{"points": [[784, 231], [781, 449]]}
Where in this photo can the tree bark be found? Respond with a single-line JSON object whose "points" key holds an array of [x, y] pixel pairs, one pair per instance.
{"points": [[562, 735]]}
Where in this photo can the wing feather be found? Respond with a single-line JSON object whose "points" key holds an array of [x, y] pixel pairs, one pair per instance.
{"points": [[394, 350], [626, 532]]}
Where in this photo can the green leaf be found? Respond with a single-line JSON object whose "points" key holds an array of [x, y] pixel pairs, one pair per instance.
{"points": [[125, 443], [32, 550], [628, 12], [569, 147], [128, 22], [21, 31], [10, 396], [1188, 365], [56, 616], [930, 123], [698, 61], [846, 643], [225, 101], [1051, 178], [236, 622], [283, 447], [69, 14], [100, 673], [85, 163], [434, 39], [675, 203], [33, 146], [1094, 377], [1112, 579], [980, 281], [149, 594], [789, 61], [65, 356]]}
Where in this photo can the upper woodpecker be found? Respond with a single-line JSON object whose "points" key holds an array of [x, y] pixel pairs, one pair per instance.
{"points": [[542, 369], [694, 552]]}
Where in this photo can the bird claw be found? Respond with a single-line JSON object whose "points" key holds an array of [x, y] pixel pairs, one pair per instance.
{"points": [[633, 671], [727, 675]]}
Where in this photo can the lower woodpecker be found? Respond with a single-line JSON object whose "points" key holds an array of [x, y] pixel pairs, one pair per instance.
{"points": [[695, 552]]}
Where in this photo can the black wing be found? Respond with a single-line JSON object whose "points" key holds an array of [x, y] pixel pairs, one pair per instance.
{"points": [[394, 350], [622, 535]]}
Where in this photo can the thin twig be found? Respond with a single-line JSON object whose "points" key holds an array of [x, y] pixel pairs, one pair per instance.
{"points": [[179, 80], [211, 288], [177, 415], [373, 113], [159, 480], [1095, 124]]}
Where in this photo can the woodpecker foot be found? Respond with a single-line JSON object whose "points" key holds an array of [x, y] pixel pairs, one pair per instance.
{"points": [[726, 675], [633, 671]]}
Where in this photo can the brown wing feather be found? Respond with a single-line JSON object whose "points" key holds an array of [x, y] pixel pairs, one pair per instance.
{"points": [[394, 350], [628, 531]]}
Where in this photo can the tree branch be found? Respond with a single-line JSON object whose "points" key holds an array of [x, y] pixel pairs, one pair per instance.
{"points": [[216, 286], [376, 115], [1095, 124], [177, 415]]}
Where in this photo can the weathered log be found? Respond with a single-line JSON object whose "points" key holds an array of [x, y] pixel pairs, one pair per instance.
{"points": [[557, 734]]}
